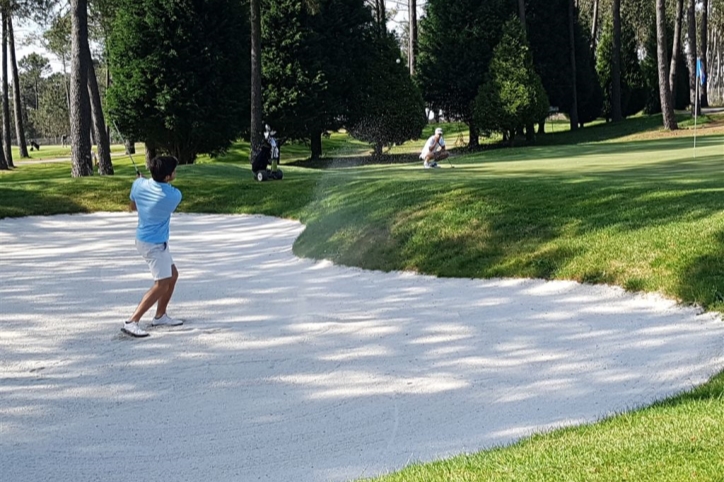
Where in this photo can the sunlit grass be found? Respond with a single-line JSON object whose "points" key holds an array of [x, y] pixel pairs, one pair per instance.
{"points": [[672, 441], [57, 152]]}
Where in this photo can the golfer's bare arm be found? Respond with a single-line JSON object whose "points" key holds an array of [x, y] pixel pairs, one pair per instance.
{"points": [[132, 206]]}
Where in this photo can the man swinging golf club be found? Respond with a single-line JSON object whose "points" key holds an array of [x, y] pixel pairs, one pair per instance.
{"points": [[434, 150]]}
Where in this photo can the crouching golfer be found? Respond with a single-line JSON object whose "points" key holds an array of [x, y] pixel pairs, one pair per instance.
{"points": [[434, 150], [155, 199]]}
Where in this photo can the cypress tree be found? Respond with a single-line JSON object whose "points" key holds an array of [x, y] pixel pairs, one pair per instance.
{"points": [[513, 95], [456, 43], [181, 85]]}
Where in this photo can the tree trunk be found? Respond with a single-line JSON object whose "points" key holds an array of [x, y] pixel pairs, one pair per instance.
{"points": [[381, 15], [616, 113], [66, 84], [474, 142], [151, 152], [7, 146], [19, 127], [594, 26], [667, 105], [108, 84], [521, 13], [572, 43], [184, 153], [412, 50], [530, 132], [103, 146], [704, 102], [691, 55], [80, 146], [677, 47], [257, 133], [316, 144]]}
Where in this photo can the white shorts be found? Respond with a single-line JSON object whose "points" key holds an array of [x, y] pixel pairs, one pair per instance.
{"points": [[158, 257]]}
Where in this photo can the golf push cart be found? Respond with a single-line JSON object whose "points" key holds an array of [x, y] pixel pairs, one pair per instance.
{"points": [[269, 154]]}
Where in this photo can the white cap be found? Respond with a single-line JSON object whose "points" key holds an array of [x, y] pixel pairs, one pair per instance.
{"points": [[438, 131]]}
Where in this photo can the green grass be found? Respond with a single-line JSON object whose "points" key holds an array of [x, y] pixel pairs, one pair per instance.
{"points": [[63, 152], [624, 204], [673, 441]]}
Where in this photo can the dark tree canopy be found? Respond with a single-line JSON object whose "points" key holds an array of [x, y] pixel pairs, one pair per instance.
{"points": [[390, 106], [315, 58], [512, 95], [549, 40], [456, 43], [182, 86]]}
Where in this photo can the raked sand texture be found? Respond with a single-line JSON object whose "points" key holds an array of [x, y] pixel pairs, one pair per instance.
{"points": [[290, 369]]}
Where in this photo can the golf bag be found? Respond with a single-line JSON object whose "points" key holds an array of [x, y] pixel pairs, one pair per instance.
{"points": [[268, 155]]}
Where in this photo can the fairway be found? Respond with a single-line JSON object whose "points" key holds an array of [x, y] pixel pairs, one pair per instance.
{"points": [[293, 369]]}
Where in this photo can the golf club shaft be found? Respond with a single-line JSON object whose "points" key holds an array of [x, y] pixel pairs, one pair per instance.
{"points": [[138, 173], [448, 158]]}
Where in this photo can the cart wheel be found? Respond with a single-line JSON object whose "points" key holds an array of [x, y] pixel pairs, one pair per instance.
{"points": [[262, 176], [278, 174]]}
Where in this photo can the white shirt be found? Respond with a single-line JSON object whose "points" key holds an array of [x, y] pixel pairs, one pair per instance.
{"points": [[430, 143]]}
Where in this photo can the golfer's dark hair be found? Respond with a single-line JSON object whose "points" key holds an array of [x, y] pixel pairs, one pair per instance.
{"points": [[161, 167]]}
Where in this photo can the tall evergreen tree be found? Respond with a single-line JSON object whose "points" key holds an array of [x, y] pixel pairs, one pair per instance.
{"points": [[616, 102], [7, 134], [676, 49], [633, 95], [412, 40], [691, 54], [572, 17], [704, 53], [17, 104], [256, 129], [315, 62], [177, 87], [548, 33], [512, 95], [391, 106], [667, 103], [80, 121], [457, 38]]}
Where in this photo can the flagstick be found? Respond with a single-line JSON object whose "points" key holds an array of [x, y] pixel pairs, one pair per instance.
{"points": [[696, 110]]}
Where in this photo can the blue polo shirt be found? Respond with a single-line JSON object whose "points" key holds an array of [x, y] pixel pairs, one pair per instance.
{"points": [[155, 202]]}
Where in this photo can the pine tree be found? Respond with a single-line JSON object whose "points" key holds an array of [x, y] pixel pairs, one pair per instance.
{"points": [[456, 43], [391, 105], [548, 34], [513, 94], [316, 61], [182, 86]]}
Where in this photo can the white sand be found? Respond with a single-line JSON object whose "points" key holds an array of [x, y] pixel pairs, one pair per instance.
{"points": [[295, 370]]}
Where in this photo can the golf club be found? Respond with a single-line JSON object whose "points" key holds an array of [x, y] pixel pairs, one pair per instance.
{"points": [[138, 173], [448, 156]]}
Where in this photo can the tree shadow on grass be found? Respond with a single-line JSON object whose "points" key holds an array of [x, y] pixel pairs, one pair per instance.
{"points": [[702, 279], [17, 202]]}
